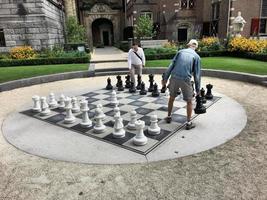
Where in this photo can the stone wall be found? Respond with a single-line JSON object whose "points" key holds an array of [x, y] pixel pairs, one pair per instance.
{"points": [[38, 23]]}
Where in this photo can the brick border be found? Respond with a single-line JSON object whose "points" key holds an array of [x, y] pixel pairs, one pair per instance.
{"points": [[243, 77]]}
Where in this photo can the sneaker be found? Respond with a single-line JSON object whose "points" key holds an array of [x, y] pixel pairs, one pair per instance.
{"points": [[168, 119], [189, 126]]}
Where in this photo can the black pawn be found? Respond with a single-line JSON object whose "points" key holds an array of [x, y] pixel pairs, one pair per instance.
{"points": [[139, 81], [128, 81], [118, 80], [209, 95], [120, 86], [151, 82], [179, 92], [132, 88], [200, 109], [109, 86], [202, 94], [143, 89], [164, 88], [155, 92]]}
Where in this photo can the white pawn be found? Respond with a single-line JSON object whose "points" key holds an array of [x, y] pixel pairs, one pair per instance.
{"points": [[36, 104], [99, 126], [52, 100], [61, 104], [140, 139], [118, 131], [86, 122], [131, 124], [102, 114], [154, 128], [113, 99], [70, 118], [45, 107], [75, 105]]}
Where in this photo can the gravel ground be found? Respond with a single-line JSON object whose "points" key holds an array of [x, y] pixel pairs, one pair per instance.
{"points": [[235, 170]]}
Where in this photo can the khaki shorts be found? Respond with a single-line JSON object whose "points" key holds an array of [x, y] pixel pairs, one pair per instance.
{"points": [[186, 87]]}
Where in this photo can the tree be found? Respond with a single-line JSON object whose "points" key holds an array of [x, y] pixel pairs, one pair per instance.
{"points": [[144, 28], [75, 32]]}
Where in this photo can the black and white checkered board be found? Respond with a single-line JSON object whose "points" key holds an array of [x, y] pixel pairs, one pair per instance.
{"points": [[143, 105]]}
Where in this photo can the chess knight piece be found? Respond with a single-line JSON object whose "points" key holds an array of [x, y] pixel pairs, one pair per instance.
{"points": [[143, 89], [120, 86], [109, 86], [155, 92], [132, 88], [118, 131], [209, 95], [45, 107], [200, 109], [202, 94]]}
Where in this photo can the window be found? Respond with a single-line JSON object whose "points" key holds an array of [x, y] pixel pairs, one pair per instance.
{"points": [[147, 14], [2, 38], [264, 8], [216, 11], [263, 26], [187, 4]]}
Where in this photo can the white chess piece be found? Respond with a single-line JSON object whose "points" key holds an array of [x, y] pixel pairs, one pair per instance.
{"points": [[36, 104], [70, 118], [113, 98], [75, 105], [131, 124], [61, 104], [99, 126], [86, 122], [102, 114], [118, 131], [45, 107], [140, 139], [154, 128], [52, 101]]}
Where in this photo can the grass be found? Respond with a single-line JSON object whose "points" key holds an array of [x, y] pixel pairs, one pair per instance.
{"points": [[14, 73], [223, 63], [220, 63]]}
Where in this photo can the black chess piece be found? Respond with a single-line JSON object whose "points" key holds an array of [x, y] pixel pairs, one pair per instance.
{"points": [[164, 88], [202, 94], [118, 80], [128, 81], [120, 86], [200, 109], [179, 92], [151, 82], [143, 89], [139, 81], [209, 95], [155, 92], [109, 86], [132, 89]]}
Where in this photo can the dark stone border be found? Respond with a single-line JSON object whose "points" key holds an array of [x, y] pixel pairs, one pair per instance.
{"points": [[249, 78]]}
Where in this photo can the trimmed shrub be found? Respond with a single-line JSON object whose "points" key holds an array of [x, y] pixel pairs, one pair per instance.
{"points": [[43, 61], [23, 52]]}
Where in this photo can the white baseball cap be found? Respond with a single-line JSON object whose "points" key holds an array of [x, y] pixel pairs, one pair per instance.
{"points": [[193, 42]]}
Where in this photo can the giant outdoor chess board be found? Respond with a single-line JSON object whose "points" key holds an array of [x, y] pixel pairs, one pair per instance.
{"points": [[143, 105]]}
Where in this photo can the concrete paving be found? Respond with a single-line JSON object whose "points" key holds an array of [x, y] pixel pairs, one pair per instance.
{"points": [[43, 139], [234, 170], [109, 57]]}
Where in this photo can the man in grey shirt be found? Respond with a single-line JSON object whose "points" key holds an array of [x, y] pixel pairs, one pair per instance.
{"points": [[185, 64]]}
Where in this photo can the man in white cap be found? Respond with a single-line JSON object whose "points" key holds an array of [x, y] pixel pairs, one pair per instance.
{"points": [[184, 64]]}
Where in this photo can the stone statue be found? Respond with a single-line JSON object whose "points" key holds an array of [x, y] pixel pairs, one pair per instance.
{"points": [[238, 25]]}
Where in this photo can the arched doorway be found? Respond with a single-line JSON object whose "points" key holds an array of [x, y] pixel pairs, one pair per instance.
{"points": [[102, 32]]}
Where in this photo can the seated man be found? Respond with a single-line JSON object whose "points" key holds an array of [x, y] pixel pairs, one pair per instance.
{"points": [[185, 63]]}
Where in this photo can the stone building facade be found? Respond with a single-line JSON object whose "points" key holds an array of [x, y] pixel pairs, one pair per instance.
{"points": [[38, 23]]}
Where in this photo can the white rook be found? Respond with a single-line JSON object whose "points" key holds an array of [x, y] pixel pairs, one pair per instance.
{"points": [[140, 139]]}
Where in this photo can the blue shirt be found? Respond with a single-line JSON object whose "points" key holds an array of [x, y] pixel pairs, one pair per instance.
{"points": [[185, 64]]}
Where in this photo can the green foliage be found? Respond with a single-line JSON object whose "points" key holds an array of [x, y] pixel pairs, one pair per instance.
{"points": [[75, 32], [44, 61], [124, 46], [144, 28]]}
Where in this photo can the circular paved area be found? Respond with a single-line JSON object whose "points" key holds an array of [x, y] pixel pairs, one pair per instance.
{"points": [[235, 170], [47, 140]]}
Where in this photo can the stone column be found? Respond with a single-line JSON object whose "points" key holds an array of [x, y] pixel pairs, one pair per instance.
{"points": [[70, 8]]}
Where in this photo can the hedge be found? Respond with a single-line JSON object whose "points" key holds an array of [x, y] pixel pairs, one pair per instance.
{"points": [[43, 61], [255, 56], [201, 54]]}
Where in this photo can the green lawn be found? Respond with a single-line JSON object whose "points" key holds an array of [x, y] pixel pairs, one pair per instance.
{"points": [[14, 73], [223, 63]]}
